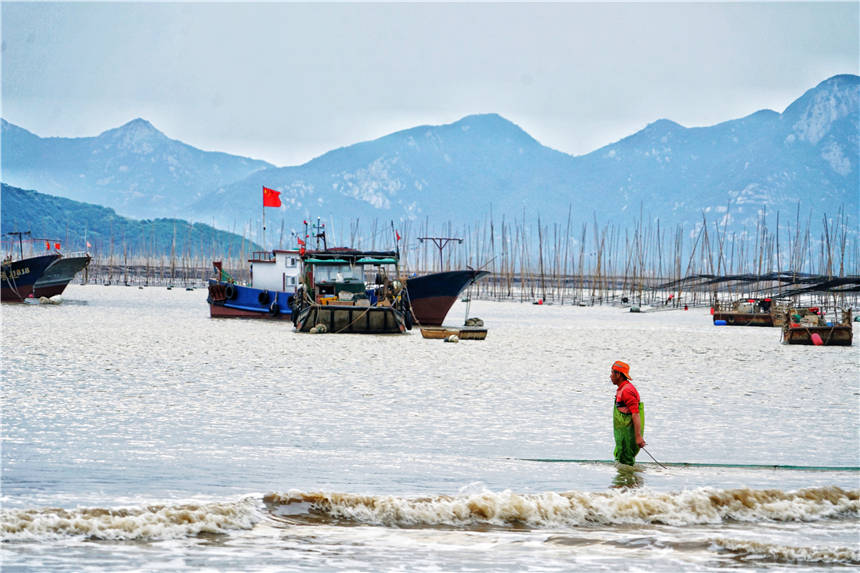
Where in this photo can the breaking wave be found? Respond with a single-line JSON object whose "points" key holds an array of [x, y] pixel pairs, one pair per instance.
{"points": [[138, 523], [622, 507], [766, 552], [494, 509]]}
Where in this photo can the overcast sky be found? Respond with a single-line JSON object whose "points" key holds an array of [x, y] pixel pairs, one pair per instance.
{"points": [[287, 82]]}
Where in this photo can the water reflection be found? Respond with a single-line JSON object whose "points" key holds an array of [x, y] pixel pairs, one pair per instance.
{"points": [[627, 477]]}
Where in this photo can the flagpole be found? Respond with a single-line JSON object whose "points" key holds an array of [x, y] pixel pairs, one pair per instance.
{"points": [[264, 221]]}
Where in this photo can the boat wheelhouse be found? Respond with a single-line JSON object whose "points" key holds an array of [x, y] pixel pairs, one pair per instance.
{"points": [[349, 291]]}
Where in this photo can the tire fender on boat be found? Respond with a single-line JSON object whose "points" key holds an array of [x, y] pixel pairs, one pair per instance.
{"points": [[230, 291], [274, 308], [263, 297]]}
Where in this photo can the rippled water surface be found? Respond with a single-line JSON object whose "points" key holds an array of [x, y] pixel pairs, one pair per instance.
{"points": [[138, 433]]}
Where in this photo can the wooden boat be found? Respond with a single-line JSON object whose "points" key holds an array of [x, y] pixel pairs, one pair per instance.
{"points": [[808, 325], [749, 312], [335, 296], [462, 332]]}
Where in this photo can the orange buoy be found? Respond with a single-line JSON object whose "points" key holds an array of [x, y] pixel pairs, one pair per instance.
{"points": [[816, 339]]}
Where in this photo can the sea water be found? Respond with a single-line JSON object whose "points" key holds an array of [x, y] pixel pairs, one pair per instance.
{"points": [[138, 434]]}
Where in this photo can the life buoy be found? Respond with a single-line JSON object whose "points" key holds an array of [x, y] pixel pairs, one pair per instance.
{"points": [[730, 319], [263, 298], [274, 308], [230, 292]]}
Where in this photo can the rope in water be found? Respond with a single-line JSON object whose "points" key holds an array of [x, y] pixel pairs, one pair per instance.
{"points": [[701, 465]]}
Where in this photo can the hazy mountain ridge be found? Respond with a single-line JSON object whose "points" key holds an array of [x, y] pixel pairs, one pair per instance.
{"points": [[75, 223], [134, 169], [807, 154]]}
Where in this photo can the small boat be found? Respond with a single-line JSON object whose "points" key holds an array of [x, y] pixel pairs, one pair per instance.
{"points": [[461, 332], [749, 312], [335, 296], [274, 278], [808, 325], [432, 295], [18, 275]]}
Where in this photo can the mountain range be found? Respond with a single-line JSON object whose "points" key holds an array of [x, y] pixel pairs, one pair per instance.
{"points": [[807, 155]]}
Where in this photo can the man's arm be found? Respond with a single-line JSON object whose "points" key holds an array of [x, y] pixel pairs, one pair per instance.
{"points": [[637, 428]]}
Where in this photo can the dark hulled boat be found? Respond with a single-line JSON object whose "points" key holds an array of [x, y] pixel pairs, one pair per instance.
{"points": [[18, 277], [59, 274], [431, 296]]}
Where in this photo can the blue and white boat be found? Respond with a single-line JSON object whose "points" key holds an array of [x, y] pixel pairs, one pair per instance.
{"points": [[274, 278]]}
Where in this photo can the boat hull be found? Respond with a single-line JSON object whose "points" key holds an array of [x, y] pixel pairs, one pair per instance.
{"points": [[18, 278], [351, 319], [837, 335], [59, 274], [745, 318], [463, 333], [431, 296], [228, 300]]}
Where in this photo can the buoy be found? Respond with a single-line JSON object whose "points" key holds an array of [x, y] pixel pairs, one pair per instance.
{"points": [[719, 323], [712, 310], [634, 309], [452, 338], [816, 339], [685, 307]]}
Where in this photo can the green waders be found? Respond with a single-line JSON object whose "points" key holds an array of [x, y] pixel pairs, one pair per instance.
{"points": [[625, 436]]}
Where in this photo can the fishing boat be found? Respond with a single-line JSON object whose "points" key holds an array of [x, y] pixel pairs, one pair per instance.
{"points": [[335, 295], [749, 312], [60, 273], [19, 274], [274, 278], [809, 325], [432, 295]]}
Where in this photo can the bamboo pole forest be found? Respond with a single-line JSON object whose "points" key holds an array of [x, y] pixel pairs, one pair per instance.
{"points": [[578, 261]]}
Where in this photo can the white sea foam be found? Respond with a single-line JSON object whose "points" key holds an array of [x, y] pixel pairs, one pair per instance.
{"points": [[757, 551], [132, 523], [622, 507]]}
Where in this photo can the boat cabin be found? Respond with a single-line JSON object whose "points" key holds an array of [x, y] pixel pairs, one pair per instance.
{"points": [[275, 270]]}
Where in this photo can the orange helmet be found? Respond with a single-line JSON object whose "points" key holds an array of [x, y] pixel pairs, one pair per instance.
{"points": [[622, 367]]}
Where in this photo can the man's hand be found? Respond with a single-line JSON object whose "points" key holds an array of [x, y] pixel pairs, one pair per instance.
{"points": [[640, 441]]}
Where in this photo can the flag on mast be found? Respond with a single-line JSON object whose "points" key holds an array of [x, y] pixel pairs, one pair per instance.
{"points": [[271, 198]]}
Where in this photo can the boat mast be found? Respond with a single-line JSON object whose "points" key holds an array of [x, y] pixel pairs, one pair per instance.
{"points": [[20, 235]]}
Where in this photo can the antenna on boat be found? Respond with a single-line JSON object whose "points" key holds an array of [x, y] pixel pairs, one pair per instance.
{"points": [[319, 233]]}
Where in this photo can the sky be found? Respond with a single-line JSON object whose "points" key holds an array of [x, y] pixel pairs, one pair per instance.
{"points": [[287, 82]]}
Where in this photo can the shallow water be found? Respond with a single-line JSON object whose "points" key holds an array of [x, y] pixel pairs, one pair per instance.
{"points": [[140, 434]]}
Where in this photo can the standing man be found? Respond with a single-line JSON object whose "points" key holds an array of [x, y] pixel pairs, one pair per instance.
{"points": [[628, 415]]}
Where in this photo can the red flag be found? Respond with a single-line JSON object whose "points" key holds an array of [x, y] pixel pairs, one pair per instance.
{"points": [[396, 234], [301, 242], [57, 246], [271, 198], [47, 245]]}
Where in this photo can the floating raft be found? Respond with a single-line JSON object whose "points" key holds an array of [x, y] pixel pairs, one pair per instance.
{"points": [[462, 332]]}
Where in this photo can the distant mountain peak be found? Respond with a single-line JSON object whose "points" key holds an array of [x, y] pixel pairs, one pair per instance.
{"points": [[813, 114], [136, 129]]}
